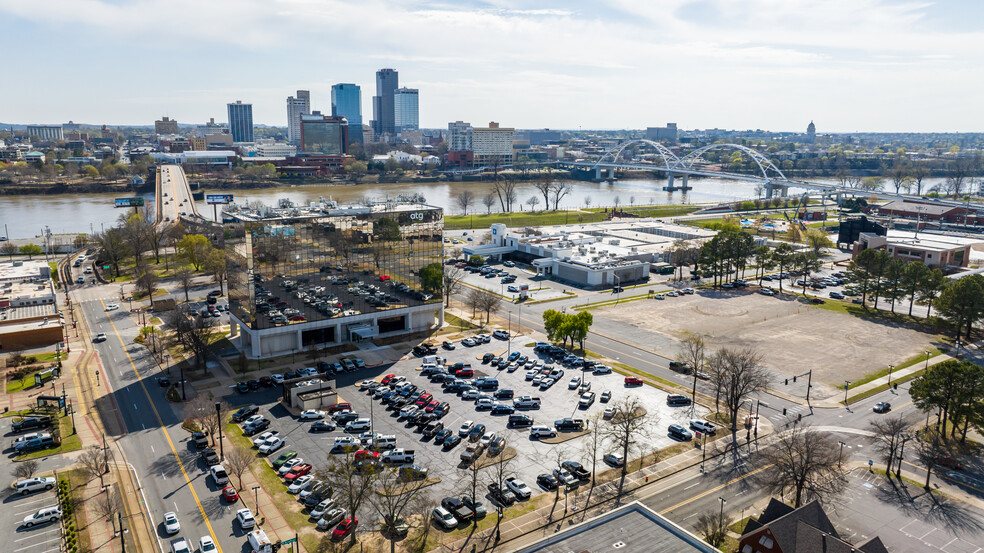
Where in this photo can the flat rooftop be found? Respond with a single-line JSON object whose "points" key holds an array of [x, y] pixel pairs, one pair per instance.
{"points": [[288, 211], [22, 270], [633, 528], [28, 312]]}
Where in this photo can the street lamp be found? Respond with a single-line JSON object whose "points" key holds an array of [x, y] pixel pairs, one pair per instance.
{"points": [[840, 456], [927, 360], [846, 384], [723, 501], [898, 472], [256, 499], [890, 369], [218, 416]]}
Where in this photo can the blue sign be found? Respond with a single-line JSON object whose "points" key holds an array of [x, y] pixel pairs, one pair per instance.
{"points": [[212, 199], [129, 202]]}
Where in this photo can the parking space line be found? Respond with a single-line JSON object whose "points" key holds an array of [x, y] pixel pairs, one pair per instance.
{"points": [[37, 544], [41, 534]]}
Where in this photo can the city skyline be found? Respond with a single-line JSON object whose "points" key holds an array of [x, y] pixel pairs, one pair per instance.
{"points": [[851, 66]]}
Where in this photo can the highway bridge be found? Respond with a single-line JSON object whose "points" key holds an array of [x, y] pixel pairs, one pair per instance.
{"points": [[172, 196]]}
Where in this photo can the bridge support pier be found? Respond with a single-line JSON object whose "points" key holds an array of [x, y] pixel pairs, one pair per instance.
{"points": [[671, 187], [602, 174], [771, 189]]}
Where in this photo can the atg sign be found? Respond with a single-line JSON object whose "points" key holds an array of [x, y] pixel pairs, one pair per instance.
{"points": [[213, 199]]}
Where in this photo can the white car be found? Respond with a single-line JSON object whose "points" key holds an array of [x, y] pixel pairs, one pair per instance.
{"points": [[486, 439], [470, 395], [180, 545], [277, 378], [542, 432], [358, 425], [465, 428], [344, 442], [331, 518], [574, 383], [444, 519], [171, 524], [271, 445], [484, 403], [767, 291], [245, 518], [381, 391], [500, 334], [602, 369], [258, 441], [300, 483], [47, 514], [312, 414], [531, 374], [519, 487], [285, 468], [321, 508], [206, 545], [408, 411], [251, 420], [565, 477], [219, 474], [112, 307]]}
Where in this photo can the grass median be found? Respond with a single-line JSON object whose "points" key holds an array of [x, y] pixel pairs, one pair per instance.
{"points": [[70, 441]]}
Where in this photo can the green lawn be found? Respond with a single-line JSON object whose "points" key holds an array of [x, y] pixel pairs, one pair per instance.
{"points": [[76, 486], [14, 386], [542, 218]]}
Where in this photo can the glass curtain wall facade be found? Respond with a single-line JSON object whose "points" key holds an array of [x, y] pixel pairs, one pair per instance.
{"points": [[337, 267]]}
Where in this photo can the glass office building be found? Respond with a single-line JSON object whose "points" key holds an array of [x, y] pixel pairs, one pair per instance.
{"points": [[241, 121], [309, 278], [346, 101], [324, 135]]}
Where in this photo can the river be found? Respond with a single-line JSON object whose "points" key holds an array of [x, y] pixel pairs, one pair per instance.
{"points": [[24, 216]]}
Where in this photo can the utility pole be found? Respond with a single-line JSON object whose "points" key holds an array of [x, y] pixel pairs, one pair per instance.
{"points": [[846, 384], [840, 456], [218, 415]]}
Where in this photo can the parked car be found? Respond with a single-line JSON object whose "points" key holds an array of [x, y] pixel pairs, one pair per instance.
{"points": [[678, 432]]}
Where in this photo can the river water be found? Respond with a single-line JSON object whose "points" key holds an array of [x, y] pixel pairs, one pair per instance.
{"points": [[24, 216]]}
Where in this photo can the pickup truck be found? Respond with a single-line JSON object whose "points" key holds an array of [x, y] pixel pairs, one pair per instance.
{"points": [[28, 423], [527, 402], [398, 456], [472, 452], [569, 425], [245, 412]]}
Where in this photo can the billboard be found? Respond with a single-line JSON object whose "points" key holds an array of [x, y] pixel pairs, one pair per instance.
{"points": [[213, 199], [129, 202]]}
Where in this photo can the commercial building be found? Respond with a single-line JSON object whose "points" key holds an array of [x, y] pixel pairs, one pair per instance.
{"points": [[592, 255], [948, 252], [165, 125], [931, 211], [324, 135], [325, 275], [667, 133], [811, 133], [241, 121], [539, 137], [633, 528], [213, 158], [459, 137], [296, 107], [45, 132], [383, 122], [211, 128], [276, 149], [807, 529], [406, 110], [492, 144], [28, 306], [346, 101]]}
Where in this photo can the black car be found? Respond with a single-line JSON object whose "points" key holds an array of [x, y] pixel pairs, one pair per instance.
{"points": [[503, 409], [457, 508], [501, 495], [242, 387], [245, 412], [452, 441], [291, 375], [516, 421], [442, 435], [432, 429], [476, 432], [576, 469], [266, 381], [442, 409], [346, 417], [547, 481], [423, 419], [163, 381], [322, 426], [487, 357], [253, 384], [210, 457], [256, 427], [504, 393], [398, 403]]}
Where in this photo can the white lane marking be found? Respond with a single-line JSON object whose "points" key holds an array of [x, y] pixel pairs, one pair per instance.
{"points": [[691, 486], [152, 449], [134, 406], [41, 534], [36, 544]]}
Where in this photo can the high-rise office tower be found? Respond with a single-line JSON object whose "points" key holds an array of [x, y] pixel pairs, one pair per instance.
{"points": [[346, 101], [406, 110], [324, 135], [241, 121], [387, 81], [296, 107]]}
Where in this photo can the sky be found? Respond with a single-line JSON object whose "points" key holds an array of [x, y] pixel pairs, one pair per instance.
{"points": [[848, 65]]}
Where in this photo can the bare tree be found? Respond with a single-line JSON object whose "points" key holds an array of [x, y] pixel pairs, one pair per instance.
{"points": [[394, 499], [352, 482], [184, 276], [889, 433], [587, 201], [452, 282], [95, 462], [558, 192], [930, 447], [692, 353], [464, 200], [628, 427], [239, 459], [544, 185], [499, 471], [486, 301], [107, 505], [713, 527], [533, 201], [738, 375], [25, 469], [803, 461], [471, 481], [592, 446], [193, 331], [488, 201], [505, 191], [147, 281], [201, 409]]}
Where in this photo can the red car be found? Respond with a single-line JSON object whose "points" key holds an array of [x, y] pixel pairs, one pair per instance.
{"points": [[344, 528], [230, 494], [298, 471], [431, 406], [424, 400], [949, 462], [365, 455], [386, 379], [465, 373], [340, 407], [633, 381]]}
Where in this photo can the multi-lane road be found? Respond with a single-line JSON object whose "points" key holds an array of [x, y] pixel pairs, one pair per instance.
{"points": [[173, 195]]}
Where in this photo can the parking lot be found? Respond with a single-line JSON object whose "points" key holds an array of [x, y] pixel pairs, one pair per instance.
{"points": [[533, 456], [44, 538], [539, 289]]}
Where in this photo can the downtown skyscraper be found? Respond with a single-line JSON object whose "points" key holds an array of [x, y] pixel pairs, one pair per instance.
{"points": [[346, 101], [296, 107], [241, 121], [383, 116], [406, 110]]}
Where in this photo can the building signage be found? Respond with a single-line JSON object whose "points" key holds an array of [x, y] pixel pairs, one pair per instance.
{"points": [[129, 202], [417, 216], [213, 199]]}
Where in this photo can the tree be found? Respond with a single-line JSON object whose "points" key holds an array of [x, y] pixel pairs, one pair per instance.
{"points": [[192, 331], [692, 352], [26, 469], [108, 505], [464, 200], [961, 303], [9, 248], [559, 191], [802, 461], [238, 460], [184, 277], [147, 281], [30, 250], [763, 262], [393, 498], [630, 425], [939, 387], [215, 263], [201, 410], [485, 301], [452, 282], [533, 201], [713, 527], [740, 376], [432, 277], [818, 241], [793, 233], [134, 229], [95, 462], [498, 472], [898, 173], [807, 262], [544, 185], [351, 482], [783, 257], [194, 248], [471, 482], [356, 170], [488, 201], [930, 447], [114, 247], [889, 433], [592, 445], [894, 275], [505, 191], [89, 171], [930, 287], [914, 274]]}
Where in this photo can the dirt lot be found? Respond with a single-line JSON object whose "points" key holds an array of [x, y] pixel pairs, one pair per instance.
{"points": [[792, 336]]}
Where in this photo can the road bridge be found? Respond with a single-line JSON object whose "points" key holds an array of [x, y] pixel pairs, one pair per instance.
{"points": [[172, 195]]}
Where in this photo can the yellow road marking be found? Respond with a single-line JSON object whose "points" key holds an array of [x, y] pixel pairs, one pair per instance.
{"points": [[166, 435], [712, 490]]}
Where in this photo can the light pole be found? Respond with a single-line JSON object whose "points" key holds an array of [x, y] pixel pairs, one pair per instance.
{"points": [[890, 369], [927, 360], [846, 384], [218, 416], [256, 499], [840, 456], [721, 515]]}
